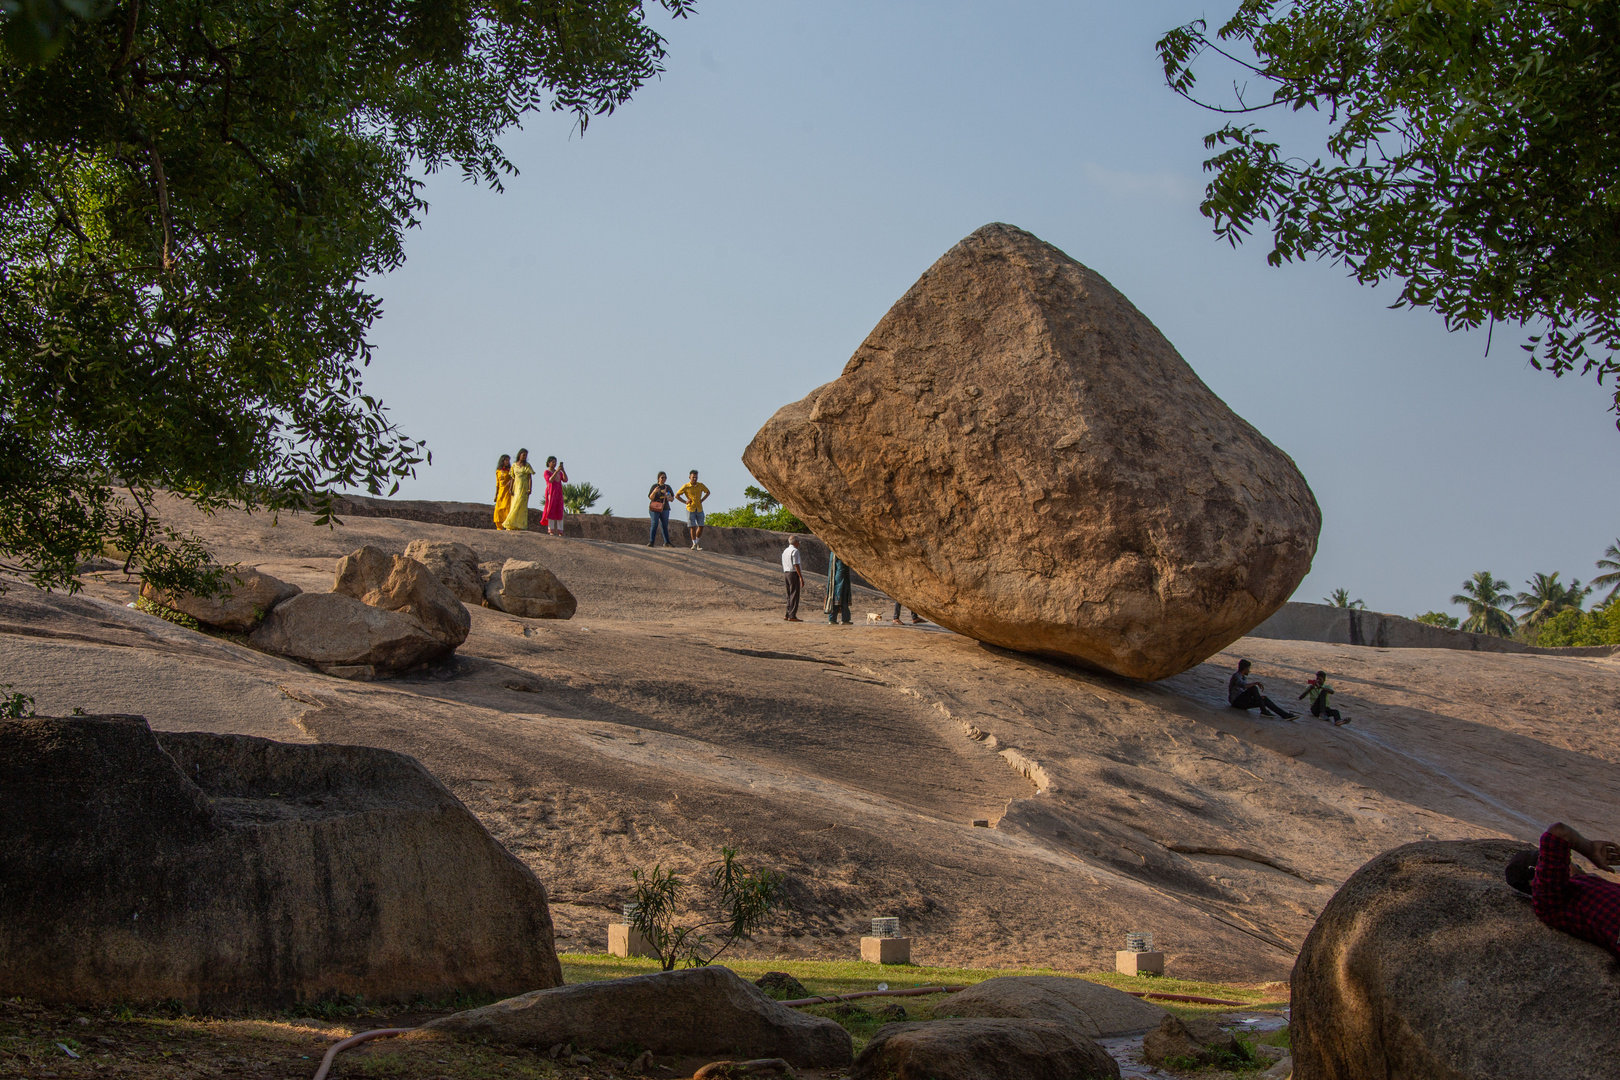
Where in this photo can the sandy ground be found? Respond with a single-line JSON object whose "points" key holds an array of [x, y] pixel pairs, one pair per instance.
{"points": [[678, 712]]}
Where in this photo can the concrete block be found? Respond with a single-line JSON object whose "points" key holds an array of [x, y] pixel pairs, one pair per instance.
{"points": [[626, 940], [1139, 963], [886, 950]]}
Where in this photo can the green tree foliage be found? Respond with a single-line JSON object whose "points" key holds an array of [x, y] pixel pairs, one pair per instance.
{"points": [[1341, 598], [14, 704], [1486, 598], [1600, 626], [1470, 155], [1437, 618], [763, 511], [192, 197], [1546, 597], [743, 900], [580, 497], [1610, 578]]}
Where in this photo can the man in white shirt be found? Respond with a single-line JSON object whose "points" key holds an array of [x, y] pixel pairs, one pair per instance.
{"points": [[793, 578]]}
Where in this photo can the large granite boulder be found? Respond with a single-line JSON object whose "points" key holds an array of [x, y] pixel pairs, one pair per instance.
{"points": [[698, 1011], [455, 565], [398, 583], [529, 590], [1019, 455], [1099, 1011], [983, 1050], [1427, 964], [343, 636], [248, 597], [229, 872]]}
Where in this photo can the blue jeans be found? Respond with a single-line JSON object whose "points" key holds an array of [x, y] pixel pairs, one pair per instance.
{"points": [[659, 517]]}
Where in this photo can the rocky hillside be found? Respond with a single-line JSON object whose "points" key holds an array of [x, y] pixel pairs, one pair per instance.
{"points": [[677, 711]]}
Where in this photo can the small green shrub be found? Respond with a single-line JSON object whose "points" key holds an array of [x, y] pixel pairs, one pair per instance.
{"points": [[1437, 618], [167, 614], [14, 704], [744, 898]]}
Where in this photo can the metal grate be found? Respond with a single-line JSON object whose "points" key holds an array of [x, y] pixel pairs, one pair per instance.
{"points": [[630, 912], [887, 927], [1138, 941]]}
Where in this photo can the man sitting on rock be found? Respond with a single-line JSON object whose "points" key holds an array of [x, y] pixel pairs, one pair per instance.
{"points": [[1246, 695], [1563, 897]]}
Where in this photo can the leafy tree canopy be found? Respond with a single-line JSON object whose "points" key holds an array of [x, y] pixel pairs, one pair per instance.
{"points": [[1471, 155], [192, 195]]}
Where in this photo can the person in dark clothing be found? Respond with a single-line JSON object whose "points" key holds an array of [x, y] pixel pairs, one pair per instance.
{"points": [[916, 618], [1583, 905], [659, 496], [1320, 692], [838, 589], [1246, 695]]}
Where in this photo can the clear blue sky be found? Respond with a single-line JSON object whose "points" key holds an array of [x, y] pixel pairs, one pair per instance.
{"points": [[644, 296]]}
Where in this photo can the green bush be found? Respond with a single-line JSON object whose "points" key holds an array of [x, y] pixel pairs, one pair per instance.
{"points": [[1601, 626], [167, 614], [762, 512], [1437, 618]]}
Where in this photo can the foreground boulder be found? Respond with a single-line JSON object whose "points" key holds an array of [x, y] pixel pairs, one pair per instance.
{"points": [[699, 1011], [455, 565], [342, 636], [1018, 454], [1098, 1011], [229, 872], [248, 597], [398, 583], [1426, 963], [1190, 1042], [983, 1050], [530, 591]]}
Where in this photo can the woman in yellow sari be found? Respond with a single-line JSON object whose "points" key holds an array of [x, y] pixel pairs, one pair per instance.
{"points": [[503, 490], [522, 483]]}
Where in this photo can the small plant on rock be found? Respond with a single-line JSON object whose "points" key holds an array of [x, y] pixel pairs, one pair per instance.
{"points": [[743, 898], [14, 704]]}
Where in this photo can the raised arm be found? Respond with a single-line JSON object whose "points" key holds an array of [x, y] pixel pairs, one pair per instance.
{"points": [[1603, 854]]}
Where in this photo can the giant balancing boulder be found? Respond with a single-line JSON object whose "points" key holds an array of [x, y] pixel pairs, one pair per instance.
{"points": [[1426, 964], [229, 872], [1018, 454]]}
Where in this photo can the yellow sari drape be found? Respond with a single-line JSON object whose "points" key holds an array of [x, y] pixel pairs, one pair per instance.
{"points": [[522, 483], [503, 496]]}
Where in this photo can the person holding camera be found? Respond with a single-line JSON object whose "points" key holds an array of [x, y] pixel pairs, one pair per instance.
{"points": [[555, 477]]}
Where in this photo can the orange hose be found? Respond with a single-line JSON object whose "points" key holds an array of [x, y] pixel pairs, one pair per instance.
{"points": [[354, 1040]]}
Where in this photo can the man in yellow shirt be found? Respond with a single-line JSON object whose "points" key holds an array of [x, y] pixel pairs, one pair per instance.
{"points": [[692, 494]]}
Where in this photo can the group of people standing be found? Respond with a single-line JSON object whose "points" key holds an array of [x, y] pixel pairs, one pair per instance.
{"points": [[514, 480], [1245, 693], [660, 495], [839, 588]]}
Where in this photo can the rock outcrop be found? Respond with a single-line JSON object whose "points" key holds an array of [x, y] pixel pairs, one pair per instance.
{"points": [[342, 636], [1018, 454], [455, 565], [1098, 1011], [249, 597], [707, 1010], [1190, 1040], [983, 1050], [529, 590], [230, 872], [1426, 963], [398, 583]]}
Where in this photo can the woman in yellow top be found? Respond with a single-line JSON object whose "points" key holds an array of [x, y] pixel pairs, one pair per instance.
{"points": [[522, 483], [503, 490]]}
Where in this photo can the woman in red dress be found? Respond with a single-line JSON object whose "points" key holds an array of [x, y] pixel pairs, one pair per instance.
{"points": [[555, 476]]}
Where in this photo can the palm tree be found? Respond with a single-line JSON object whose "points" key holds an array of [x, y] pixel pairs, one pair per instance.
{"points": [[580, 497], [1486, 598], [1341, 598], [1547, 597], [1610, 580]]}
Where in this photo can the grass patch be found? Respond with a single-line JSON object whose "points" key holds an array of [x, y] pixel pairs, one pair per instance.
{"points": [[167, 614]]}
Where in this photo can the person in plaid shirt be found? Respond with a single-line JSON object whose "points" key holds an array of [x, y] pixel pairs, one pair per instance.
{"points": [[1563, 897]]}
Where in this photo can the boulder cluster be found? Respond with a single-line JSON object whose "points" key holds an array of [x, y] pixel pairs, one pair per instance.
{"points": [[386, 614]]}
